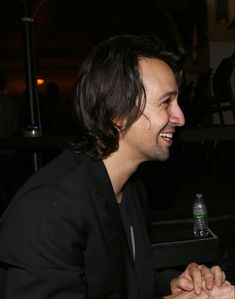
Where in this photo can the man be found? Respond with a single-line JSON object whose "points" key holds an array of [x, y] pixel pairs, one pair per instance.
{"points": [[77, 228]]}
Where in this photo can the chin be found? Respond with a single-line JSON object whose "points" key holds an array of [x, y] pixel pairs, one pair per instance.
{"points": [[162, 159], [163, 156]]}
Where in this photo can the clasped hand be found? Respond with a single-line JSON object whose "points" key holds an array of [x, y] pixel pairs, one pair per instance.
{"points": [[201, 282]]}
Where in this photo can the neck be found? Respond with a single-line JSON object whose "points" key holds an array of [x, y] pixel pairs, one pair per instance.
{"points": [[119, 170], [119, 197]]}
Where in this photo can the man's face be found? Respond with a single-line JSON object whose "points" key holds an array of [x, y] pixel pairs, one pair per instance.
{"points": [[150, 137]]}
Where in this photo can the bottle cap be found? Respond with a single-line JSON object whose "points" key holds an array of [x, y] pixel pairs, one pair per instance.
{"points": [[199, 195]]}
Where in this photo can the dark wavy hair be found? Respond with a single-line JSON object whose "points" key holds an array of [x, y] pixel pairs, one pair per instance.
{"points": [[110, 95]]}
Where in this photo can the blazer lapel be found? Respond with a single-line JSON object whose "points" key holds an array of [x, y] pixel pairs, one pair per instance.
{"points": [[144, 264], [103, 188]]}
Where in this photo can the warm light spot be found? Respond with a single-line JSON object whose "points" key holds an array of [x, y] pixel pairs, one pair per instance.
{"points": [[40, 81]]}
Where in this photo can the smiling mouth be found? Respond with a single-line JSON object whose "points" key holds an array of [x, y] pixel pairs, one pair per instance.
{"points": [[167, 136]]}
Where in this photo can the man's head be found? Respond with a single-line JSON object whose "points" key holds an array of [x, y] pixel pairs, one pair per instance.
{"points": [[111, 94], [151, 135]]}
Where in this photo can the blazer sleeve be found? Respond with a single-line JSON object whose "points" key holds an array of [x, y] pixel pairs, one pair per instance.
{"points": [[42, 240]]}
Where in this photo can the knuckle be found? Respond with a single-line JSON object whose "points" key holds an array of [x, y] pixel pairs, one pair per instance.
{"points": [[216, 268]]}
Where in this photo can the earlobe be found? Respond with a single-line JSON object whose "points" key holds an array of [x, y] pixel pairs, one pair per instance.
{"points": [[119, 123]]}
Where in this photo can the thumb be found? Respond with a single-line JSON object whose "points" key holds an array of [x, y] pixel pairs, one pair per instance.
{"points": [[180, 283]]}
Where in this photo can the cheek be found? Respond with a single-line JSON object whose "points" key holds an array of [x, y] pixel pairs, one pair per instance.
{"points": [[153, 120], [160, 120]]}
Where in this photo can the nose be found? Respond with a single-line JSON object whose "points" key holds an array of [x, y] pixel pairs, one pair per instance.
{"points": [[177, 116]]}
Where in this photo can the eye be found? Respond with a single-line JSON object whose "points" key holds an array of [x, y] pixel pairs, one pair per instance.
{"points": [[166, 102]]}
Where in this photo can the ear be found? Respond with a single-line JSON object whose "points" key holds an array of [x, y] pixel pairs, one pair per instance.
{"points": [[119, 123]]}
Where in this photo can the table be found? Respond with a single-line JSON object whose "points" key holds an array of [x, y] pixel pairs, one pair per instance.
{"points": [[173, 244]]}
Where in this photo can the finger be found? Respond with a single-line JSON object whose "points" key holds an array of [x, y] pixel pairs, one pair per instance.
{"points": [[193, 269], [212, 276], [180, 283], [219, 275], [208, 276], [194, 272], [226, 283], [202, 295], [192, 295]]}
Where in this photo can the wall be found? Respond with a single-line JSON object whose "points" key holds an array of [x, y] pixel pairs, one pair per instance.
{"points": [[221, 13]]}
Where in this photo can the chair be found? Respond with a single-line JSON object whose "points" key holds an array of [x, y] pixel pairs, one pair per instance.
{"points": [[223, 83], [206, 135], [214, 94]]}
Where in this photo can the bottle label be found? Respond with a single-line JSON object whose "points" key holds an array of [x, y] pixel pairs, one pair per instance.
{"points": [[31, 131], [199, 213]]}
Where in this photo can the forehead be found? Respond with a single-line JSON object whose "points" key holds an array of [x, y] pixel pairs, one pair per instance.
{"points": [[157, 73]]}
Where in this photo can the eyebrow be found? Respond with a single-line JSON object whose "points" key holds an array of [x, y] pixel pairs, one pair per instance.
{"points": [[168, 94]]}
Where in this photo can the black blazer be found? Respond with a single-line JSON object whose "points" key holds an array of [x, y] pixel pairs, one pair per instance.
{"points": [[62, 236]]}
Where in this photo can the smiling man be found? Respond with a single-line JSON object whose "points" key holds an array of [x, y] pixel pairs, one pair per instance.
{"points": [[151, 135], [76, 229]]}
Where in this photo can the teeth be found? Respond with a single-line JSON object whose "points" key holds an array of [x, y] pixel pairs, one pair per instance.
{"points": [[166, 135]]}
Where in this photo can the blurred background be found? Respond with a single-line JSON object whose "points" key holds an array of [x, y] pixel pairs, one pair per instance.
{"points": [[41, 46], [64, 31]]}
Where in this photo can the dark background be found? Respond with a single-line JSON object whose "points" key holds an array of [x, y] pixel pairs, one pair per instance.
{"points": [[63, 33]]}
